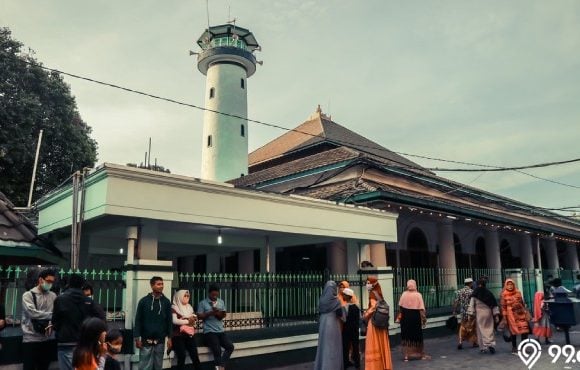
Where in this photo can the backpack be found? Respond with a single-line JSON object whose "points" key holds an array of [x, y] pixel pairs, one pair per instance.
{"points": [[381, 316]]}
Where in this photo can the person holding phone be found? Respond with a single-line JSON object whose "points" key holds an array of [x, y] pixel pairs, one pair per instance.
{"points": [[212, 311]]}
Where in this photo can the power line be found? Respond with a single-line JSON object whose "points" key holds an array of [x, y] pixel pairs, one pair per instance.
{"points": [[486, 167]]}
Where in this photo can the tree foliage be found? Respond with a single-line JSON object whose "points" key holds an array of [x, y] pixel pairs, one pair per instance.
{"points": [[32, 99]]}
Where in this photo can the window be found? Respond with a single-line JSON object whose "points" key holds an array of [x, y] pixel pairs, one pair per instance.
{"points": [[211, 93], [243, 130], [209, 142], [243, 83]]}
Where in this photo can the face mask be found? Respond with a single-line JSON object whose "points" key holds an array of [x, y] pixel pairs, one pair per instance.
{"points": [[115, 348], [369, 286], [46, 286]]}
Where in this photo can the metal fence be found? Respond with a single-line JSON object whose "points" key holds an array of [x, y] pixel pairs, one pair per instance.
{"points": [[108, 289], [275, 300], [438, 286], [264, 300]]}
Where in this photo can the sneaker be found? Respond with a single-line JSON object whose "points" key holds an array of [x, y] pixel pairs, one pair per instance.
{"points": [[491, 350], [460, 346], [514, 351]]}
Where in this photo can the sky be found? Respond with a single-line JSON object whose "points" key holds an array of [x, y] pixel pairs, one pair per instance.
{"points": [[492, 82]]}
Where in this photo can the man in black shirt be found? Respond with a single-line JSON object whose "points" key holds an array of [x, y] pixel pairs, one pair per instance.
{"points": [[350, 330], [71, 308]]}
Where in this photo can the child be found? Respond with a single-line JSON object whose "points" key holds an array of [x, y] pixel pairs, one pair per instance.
{"points": [[114, 340], [541, 318], [350, 331]]}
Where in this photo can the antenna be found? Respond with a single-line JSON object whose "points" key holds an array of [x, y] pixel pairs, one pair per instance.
{"points": [[207, 11], [149, 155]]}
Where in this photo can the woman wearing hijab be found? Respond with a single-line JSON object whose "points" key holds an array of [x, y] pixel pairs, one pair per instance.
{"points": [[514, 312], [483, 306], [329, 351], [377, 347], [541, 318], [341, 287], [183, 322], [413, 319]]}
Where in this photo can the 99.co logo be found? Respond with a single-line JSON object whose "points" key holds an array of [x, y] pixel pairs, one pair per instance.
{"points": [[530, 352]]}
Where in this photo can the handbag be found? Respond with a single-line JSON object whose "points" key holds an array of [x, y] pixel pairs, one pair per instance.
{"points": [[363, 328], [187, 330]]}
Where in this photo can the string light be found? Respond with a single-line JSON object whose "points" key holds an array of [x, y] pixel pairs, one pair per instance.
{"points": [[505, 227]]}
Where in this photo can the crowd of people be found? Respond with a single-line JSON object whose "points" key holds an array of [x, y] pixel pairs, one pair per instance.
{"points": [[482, 314], [341, 321], [73, 327]]}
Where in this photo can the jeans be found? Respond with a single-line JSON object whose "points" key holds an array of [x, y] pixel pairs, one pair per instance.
{"points": [[65, 356], [151, 357], [215, 341], [183, 344]]}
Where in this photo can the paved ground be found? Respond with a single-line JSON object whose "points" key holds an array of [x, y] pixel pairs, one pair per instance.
{"points": [[446, 356]]}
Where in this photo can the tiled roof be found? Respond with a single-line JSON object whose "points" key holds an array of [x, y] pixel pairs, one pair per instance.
{"points": [[19, 236], [297, 166], [13, 226], [321, 129]]}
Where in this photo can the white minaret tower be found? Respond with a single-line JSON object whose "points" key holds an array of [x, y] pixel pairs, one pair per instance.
{"points": [[227, 60]]}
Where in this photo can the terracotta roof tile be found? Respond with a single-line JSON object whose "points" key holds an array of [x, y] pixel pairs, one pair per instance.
{"points": [[297, 166]]}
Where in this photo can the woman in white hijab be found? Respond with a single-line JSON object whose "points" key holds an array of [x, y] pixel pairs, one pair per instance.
{"points": [[183, 329]]}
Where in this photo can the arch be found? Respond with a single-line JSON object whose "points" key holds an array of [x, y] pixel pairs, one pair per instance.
{"points": [[417, 252], [480, 258], [462, 260], [507, 258]]}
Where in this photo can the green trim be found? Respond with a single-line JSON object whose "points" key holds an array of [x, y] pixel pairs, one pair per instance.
{"points": [[64, 192], [31, 251], [412, 201]]}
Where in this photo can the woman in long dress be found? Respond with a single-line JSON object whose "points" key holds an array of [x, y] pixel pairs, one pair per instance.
{"points": [[483, 306], [329, 351], [413, 319], [377, 346], [542, 326], [514, 312]]}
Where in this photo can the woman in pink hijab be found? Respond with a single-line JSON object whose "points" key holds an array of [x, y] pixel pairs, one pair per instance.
{"points": [[413, 319]]}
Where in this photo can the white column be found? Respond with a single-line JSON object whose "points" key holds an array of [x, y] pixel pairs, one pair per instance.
{"points": [[267, 257], [378, 253], [246, 262], [336, 257], [552, 254], [148, 240], [526, 253], [365, 253], [571, 257], [492, 253], [447, 254]]}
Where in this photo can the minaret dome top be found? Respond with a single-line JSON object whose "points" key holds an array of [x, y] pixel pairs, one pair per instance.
{"points": [[227, 43]]}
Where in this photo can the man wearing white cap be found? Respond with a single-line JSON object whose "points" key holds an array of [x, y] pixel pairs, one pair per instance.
{"points": [[350, 332], [461, 303]]}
